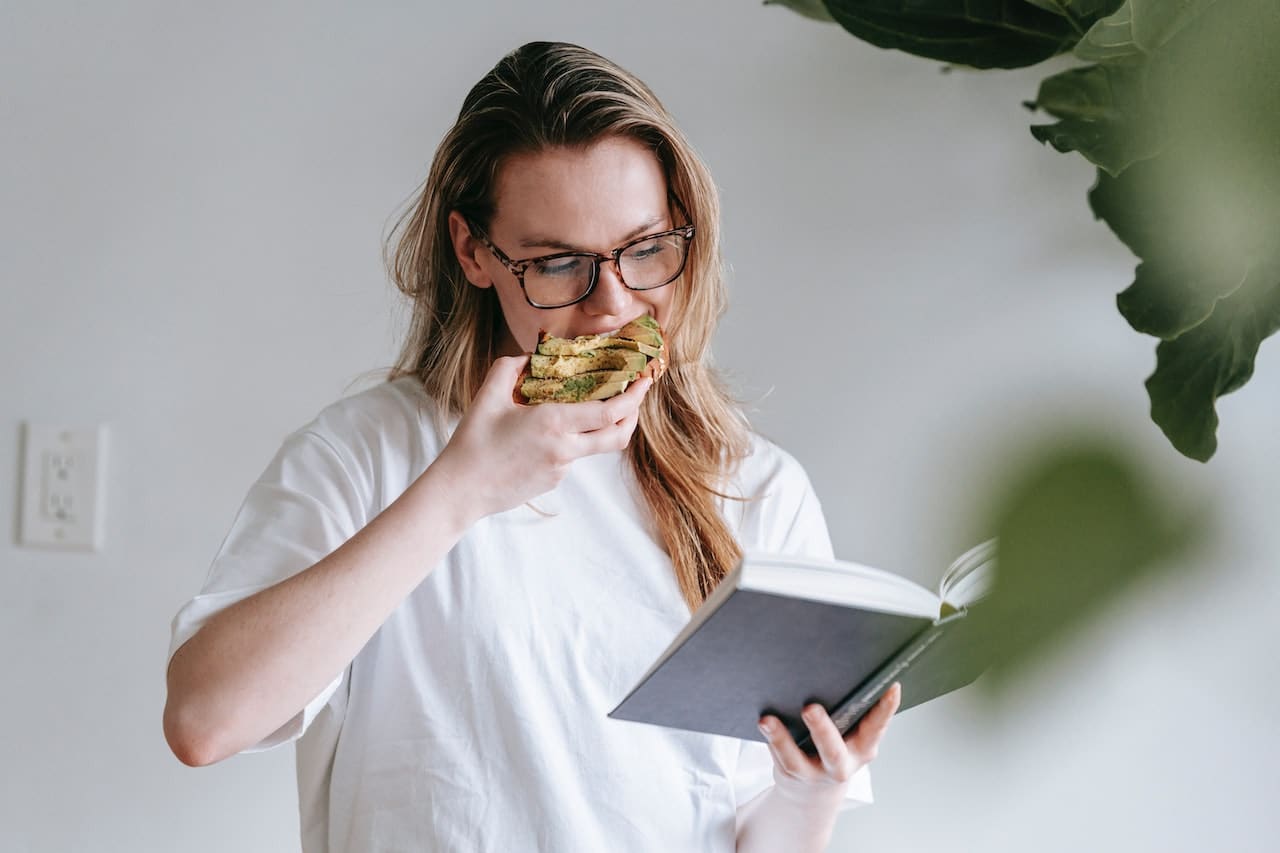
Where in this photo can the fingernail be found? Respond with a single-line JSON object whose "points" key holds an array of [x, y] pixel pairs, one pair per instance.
{"points": [[766, 727]]}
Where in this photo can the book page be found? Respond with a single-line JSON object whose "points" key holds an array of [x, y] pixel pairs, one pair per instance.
{"points": [[969, 577], [837, 582]]}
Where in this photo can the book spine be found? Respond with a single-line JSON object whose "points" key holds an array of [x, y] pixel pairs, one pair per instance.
{"points": [[850, 710]]}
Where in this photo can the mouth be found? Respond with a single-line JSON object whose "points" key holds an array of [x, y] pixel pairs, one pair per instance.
{"points": [[593, 332], [601, 331]]}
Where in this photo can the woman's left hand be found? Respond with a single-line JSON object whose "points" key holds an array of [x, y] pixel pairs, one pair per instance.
{"points": [[826, 775]]}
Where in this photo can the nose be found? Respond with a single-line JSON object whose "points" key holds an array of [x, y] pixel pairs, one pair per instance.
{"points": [[610, 296]]}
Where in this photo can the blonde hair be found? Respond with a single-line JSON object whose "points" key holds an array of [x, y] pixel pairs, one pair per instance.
{"points": [[690, 434]]}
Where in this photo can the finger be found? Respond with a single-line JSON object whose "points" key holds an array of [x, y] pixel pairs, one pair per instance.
{"points": [[884, 709], [566, 422], [865, 737], [596, 415], [628, 402], [627, 427], [786, 754], [832, 749], [766, 728], [640, 387], [607, 439], [504, 373]]}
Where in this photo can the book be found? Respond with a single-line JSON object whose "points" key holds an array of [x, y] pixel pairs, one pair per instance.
{"points": [[781, 632]]}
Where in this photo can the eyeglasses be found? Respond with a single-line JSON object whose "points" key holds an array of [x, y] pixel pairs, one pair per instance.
{"points": [[566, 278]]}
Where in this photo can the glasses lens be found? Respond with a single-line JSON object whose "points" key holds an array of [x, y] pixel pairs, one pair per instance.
{"points": [[558, 281], [653, 262], [646, 264]]}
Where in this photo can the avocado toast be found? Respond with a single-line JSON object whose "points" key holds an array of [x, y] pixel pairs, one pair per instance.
{"points": [[592, 367]]}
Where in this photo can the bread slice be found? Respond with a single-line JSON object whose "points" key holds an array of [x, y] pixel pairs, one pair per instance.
{"points": [[596, 385], [642, 330], [600, 392], [549, 345], [551, 366], [627, 343]]}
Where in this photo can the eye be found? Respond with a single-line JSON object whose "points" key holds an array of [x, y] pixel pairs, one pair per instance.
{"points": [[559, 266], [647, 250]]}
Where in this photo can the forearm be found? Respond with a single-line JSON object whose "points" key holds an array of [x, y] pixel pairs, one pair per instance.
{"points": [[778, 820], [254, 665]]}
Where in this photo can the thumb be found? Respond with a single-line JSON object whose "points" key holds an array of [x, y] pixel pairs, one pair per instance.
{"points": [[504, 373]]}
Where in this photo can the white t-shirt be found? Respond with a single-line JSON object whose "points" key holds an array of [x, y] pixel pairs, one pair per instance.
{"points": [[475, 718]]}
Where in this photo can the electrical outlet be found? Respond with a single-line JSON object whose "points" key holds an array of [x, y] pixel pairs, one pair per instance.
{"points": [[62, 487]]}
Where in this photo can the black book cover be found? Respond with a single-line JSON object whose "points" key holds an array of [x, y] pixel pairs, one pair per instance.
{"points": [[946, 656], [760, 652]]}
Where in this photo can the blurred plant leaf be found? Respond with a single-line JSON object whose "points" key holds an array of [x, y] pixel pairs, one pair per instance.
{"points": [[1103, 116], [1181, 114], [1213, 359], [1079, 528], [814, 9], [1159, 216], [1138, 29]]}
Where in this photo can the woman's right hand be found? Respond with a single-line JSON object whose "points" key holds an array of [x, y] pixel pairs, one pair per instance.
{"points": [[504, 453], [253, 665]]}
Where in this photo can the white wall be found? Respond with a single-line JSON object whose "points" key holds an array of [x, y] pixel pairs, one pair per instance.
{"points": [[191, 208]]}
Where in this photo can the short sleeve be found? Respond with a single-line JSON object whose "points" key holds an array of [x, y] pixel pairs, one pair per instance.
{"points": [[774, 508], [786, 518], [304, 506], [805, 531]]}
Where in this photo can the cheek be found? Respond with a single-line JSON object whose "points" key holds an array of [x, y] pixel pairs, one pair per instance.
{"points": [[661, 302], [526, 336], [523, 320]]}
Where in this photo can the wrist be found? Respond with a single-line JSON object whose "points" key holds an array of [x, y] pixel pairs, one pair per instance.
{"points": [[446, 491], [811, 796]]}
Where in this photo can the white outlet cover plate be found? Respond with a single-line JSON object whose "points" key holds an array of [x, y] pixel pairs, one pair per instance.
{"points": [[62, 479]]}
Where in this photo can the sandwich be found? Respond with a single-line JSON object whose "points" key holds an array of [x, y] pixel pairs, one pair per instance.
{"points": [[592, 367]]}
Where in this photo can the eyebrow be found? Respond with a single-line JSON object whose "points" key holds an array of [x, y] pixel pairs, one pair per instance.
{"points": [[559, 245]]}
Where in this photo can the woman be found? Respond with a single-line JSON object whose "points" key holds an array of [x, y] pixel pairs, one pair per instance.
{"points": [[440, 593]]}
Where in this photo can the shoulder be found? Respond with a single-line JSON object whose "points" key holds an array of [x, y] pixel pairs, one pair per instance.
{"points": [[767, 469], [396, 409], [383, 437], [773, 506]]}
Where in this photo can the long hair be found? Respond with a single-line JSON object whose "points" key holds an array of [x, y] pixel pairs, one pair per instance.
{"points": [[690, 434]]}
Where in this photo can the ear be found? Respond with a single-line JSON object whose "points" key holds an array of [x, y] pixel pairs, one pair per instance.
{"points": [[468, 250]]}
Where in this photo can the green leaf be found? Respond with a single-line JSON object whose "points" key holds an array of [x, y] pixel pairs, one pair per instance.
{"points": [[1078, 8], [1138, 29], [1212, 359], [814, 9], [1080, 12], [1189, 152], [1181, 114], [1166, 303], [978, 33], [1103, 116], [1192, 256], [1076, 528]]}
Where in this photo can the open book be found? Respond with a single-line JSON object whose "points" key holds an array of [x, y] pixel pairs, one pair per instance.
{"points": [[781, 632]]}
